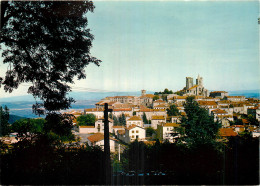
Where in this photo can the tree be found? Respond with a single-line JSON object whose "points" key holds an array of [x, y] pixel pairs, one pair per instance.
{"points": [[198, 127], [150, 131], [155, 97], [4, 117], [173, 111], [87, 120], [28, 128], [145, 118], [122, 119], [46, 43]]}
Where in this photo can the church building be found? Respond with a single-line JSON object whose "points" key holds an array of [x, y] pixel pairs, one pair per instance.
{"points": [[197, 89]]}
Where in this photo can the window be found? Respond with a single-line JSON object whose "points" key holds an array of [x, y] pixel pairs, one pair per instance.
{"points": [[137, 136], [133, 136], [133, 131], [167, 129], [137, 131]]}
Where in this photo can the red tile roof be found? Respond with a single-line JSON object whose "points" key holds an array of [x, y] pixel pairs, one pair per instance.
{"points": [[134, 118], [96, 137], [227, 132]]}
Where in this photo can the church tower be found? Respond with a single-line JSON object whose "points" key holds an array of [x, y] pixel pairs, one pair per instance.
{"points": [[189, 82], [199, 81], [143, 92]]}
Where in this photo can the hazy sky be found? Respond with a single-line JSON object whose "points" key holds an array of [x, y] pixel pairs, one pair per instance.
{"points": [[155, 45]]}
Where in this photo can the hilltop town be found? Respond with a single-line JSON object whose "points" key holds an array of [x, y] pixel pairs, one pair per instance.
{"points": [[133, 116]]}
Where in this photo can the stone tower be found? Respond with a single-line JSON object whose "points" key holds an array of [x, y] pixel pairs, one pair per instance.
{"points": [[189, 82], [199, 81], [143, 92]]}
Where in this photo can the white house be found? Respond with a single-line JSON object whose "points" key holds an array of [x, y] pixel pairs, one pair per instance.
{"points": [[156, 120], [167, 131], [134, 132], [134, 120]]}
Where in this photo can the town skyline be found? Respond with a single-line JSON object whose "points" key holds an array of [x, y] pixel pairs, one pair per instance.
{"points": [[155, 45]]}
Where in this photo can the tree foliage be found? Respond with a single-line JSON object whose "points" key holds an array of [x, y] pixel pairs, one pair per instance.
{"points": [[166, 91], [87, 120], [173, 111], [122, 119], [156, 97], [28, 128], [46, 43], [145, 120], [4, 117], [199, 127]]}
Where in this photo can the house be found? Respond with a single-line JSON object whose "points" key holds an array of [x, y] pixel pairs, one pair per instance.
{"points": [[134, 132], [218, 113], [255, 112], [99, 125], [87, 129], [156, 120], [227, 132], [175, 119], [256, 133], [97, 128], [98, 112], [158, 102], [115, 129], [98, 139], [163, 106], [235, 98], [119, 111], [218, 94], [146, 99], [167, 131], [134, 120]]}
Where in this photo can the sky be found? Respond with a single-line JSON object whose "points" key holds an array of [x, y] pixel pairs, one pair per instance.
{"points": [[154, 45]]}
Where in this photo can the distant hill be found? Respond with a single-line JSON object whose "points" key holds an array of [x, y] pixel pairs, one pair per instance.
{"points": [[85, 96], [13, 118]]}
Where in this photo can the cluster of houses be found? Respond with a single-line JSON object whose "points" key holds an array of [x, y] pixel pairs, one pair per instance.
{"points": [[219, 104]]}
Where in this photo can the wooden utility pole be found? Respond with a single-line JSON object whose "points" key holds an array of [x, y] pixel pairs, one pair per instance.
{"points": [[107, 162]]}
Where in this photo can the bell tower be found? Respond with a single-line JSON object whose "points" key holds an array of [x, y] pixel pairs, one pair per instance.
{"points": [[199, 81]]}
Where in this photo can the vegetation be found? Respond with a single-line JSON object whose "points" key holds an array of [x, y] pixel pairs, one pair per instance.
{"points": [[145, 120], [86, 120], [198, 128], [166, 91], [156, 97], [46, 46], [200, 165], [122, 120], [4, 124], [150, 131], [173, 111]]}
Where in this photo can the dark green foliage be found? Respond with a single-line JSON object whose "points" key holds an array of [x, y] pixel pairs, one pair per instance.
{"points": [[46, 43], [122, 119], [87, 120], [41, 164], [4, 124], [199, 127], [156, 97], [150, 131], [252, 120], [28, 127], [173, 111], [166, 91], [145, 118], [134, 113], [59, 126], [234, 163]]}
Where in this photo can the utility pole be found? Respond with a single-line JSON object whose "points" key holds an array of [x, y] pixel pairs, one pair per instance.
{"points": [[107, 161]]}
